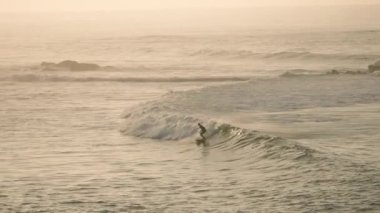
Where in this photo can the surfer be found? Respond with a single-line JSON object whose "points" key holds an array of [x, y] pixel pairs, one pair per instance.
{"points": [[203, 131], [203, 139]]}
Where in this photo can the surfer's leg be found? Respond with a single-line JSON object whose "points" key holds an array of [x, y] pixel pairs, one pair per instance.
{"points": [[203, 137]]}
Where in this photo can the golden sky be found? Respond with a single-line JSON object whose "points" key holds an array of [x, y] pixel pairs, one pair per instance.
{"points": [[88, 5]]}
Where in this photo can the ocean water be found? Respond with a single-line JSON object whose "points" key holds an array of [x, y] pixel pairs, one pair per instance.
{"points": [[284, 133]]}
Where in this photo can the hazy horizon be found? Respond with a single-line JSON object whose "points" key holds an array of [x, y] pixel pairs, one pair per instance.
{"points": [[86, 5], [169, 21]]}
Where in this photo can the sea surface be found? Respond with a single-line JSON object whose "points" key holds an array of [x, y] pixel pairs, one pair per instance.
{"points": [[285, 133]]}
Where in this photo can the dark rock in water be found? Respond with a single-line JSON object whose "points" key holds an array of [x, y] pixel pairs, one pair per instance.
{"points": [[374, 67], [76, 66], [69, 65], [333, 72], [359, 72]]}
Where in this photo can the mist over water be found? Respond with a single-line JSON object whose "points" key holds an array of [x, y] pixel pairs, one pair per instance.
{"points": [[290, 108]]}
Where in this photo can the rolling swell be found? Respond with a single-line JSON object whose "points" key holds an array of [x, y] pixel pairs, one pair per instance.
{"points": [[284, 55], [263, 146]]}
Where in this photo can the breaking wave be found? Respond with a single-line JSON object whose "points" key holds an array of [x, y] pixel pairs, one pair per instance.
{"points": [[159, 125], [285, 55], [175, 115], [126, 77], [55, 78]]}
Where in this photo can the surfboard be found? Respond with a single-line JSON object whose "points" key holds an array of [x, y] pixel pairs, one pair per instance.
{"points": [[200, 141]]}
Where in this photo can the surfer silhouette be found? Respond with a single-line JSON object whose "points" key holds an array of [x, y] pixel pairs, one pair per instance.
{"points": [[203, 131]]}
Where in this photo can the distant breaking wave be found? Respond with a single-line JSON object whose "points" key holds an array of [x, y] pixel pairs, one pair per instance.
{"points": [[54, 78], [68, 77], [286, 55]]}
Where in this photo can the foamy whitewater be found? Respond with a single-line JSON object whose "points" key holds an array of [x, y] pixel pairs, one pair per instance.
{"points": [[285, 133]]}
